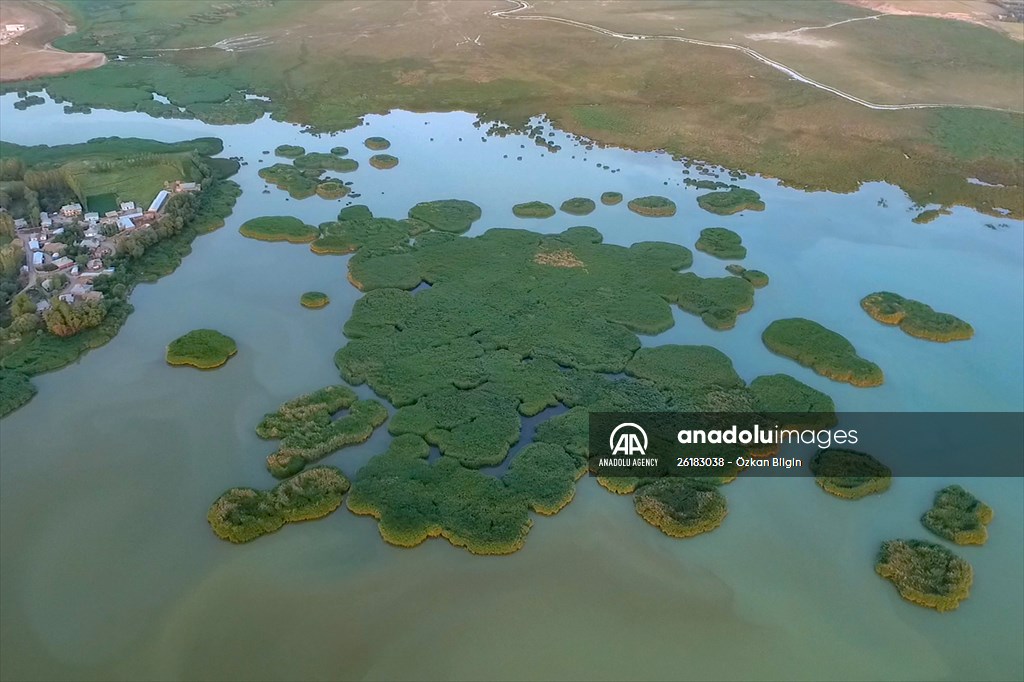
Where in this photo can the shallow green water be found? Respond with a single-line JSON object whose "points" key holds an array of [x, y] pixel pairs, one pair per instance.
{"points": [[110, 571]]}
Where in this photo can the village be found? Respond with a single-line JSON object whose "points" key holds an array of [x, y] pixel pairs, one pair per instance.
{"points": [[48, 263]]}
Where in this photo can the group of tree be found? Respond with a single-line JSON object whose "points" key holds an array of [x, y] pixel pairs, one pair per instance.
{"points": [[67, 319]]}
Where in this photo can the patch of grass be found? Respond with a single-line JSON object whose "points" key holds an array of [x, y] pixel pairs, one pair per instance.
{"points": [[202, 349], [332, 189], [339, 151], [958, 516], [925, 217], [732, 201], [718, 301], [320, 161], [680, 507], [279, 229], [915, 318], [578, 206], [383, 161], [447, 215], [16, 389], [299, 184], [849, 474], [757, 279], [377, 143], [823, 350], [102, 203], [721, 243], [289, 151], [314, 299], [973, 134], [653, 206], [925, 573], [533, 209], [611, 198]]}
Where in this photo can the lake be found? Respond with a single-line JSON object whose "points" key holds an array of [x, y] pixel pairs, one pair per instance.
{"points": [[110, 570]]}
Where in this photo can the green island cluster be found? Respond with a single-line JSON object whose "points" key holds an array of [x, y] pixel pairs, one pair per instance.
{"points": [[309, 428], [958, 516], [925, 573], [244, 514], [653, 206], [915, 318], [611, 198], [731, 201], [757, 278], [383, 161], [289, 151], [325, 162], [314, 299], [278, 228], [95, 174], [377, 144], [849, 474], [201, 348], [823, 350], [721, 243], [303, 183], [680, 507], [533, 209], [578, 206]]}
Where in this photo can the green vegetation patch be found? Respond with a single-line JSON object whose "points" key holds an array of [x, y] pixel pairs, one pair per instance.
{"points": [[977, 134], [16, 389], [721, 243], [823, 350], [377, 143], [309, 428], [958, 516], [447, 215], [718, 301], [325, 162], [611, 198], [653, 206], [332, 189], [201, 348], [289, 151], [279, 228], [915, 318], [314, 299], [102, 203], [929, 215], [244, 514], [681, 507], [383, 161], [299, 184], [533, 209], [925, 573], [731, 201], [757, 279], [578, 206], [849, 474], [339, 151]]}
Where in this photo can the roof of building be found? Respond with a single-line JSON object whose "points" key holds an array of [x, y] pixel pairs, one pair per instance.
{"points": [[159, 200]]}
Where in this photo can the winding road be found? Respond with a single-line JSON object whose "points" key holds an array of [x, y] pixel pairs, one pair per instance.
{"points": [[521, 5]]}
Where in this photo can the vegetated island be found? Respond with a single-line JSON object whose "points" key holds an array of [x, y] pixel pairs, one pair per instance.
{"points": [[653, 206], [958, 516], [383, 161], [680, 507], [721, 243], [244, 514], [578, 206], [325, 162], [377, 144], [299, 183], [849, 474], [915, 318], [279, 228], [339, 151], [202, 349], [53, 314], [823, 350], [731, 201], [332, 189], [314, 299], [929, 215], [289, 151], [757, 278], [533, 209], [611, 198], [925, 573]]}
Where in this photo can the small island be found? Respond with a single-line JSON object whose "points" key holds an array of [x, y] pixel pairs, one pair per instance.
{"points": [[958, 516], [244, 514], [201, 348], [279, 228], [731, 201], [383, 161], [929, 215], [377, 143], [758, 279], [915, 318], [300, 184], [578, 206], [339, 151], [314, 299], [721, 243], [611, 198], [325, 162], [849, 474], [289, 151], [823, 350], [653, 206], [925, 573], [533, 209], [332, 189], [680, 507], [446, 215]]}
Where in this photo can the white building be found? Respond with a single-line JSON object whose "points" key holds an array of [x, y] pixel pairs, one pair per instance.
{"points": [[33, 244], [15, 28], [125, 223], [159, 201], [20, 224], [127, 205], [37, 258], [92, 217], [71, 210], [44, 219]]}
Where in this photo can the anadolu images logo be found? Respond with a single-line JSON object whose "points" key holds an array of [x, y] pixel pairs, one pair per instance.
{"points": [[628, 439]]}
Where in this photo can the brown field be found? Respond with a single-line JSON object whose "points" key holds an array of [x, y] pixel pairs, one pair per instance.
{"points": [[30, 55], [981, 12]]}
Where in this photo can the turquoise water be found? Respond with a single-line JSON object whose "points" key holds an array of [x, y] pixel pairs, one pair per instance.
{"points": [[110, 571]]}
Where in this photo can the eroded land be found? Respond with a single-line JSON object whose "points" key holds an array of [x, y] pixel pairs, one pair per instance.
{"points": [[25, 49], [707, 102]]}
